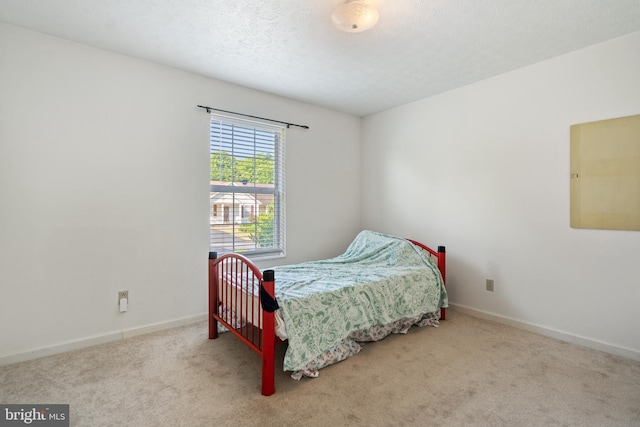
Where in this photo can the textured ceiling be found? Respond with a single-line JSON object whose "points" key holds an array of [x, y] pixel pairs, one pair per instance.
{"points": [[289, 47]]}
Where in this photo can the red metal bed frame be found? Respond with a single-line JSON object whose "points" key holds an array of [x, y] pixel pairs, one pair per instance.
{"points": [[260, 337]]}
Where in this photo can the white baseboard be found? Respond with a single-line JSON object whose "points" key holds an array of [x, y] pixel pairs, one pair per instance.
{"points": [[541, 330], [155, 327], [99, 339]]}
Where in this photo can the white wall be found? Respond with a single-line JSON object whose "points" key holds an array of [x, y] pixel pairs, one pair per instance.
{"points": [[104, 187], [484, 170]]}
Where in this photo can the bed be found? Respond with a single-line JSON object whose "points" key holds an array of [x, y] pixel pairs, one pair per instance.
{"points": [[326, 309]]}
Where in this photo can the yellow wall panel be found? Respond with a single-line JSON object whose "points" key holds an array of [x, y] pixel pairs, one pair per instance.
{"points": [[605, 174]]}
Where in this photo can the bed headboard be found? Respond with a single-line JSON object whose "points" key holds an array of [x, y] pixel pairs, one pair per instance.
{"points": [[439, 257]]}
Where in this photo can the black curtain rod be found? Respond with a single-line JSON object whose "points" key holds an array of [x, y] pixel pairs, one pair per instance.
{"points": [[209, 109]]}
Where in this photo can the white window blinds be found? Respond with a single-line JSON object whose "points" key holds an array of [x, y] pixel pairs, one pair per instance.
{"points": [[247, 187]]}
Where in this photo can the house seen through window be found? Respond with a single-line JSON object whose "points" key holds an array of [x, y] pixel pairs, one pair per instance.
{"points": [[247, 187]]}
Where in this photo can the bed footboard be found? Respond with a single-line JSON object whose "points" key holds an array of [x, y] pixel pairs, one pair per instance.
{"points": [[235, 284]]}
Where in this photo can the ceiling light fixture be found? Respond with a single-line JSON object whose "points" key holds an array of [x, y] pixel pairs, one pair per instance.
{"points": [[355, 16]]}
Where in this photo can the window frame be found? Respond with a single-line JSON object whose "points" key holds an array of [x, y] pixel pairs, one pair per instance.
{"points": [[237, 191]]}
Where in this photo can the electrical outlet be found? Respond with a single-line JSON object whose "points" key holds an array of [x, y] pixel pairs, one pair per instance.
{"points": [[490, 285], [123, 301], [123, 295]]}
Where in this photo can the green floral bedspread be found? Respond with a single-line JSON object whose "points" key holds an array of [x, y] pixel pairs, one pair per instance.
{"points": [[378, 280]]}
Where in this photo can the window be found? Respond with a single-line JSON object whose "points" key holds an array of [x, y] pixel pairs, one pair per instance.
{"points": [[247, 187]]}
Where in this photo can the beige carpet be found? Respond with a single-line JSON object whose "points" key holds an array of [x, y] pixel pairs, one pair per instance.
{"points": [[468, 372]]}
